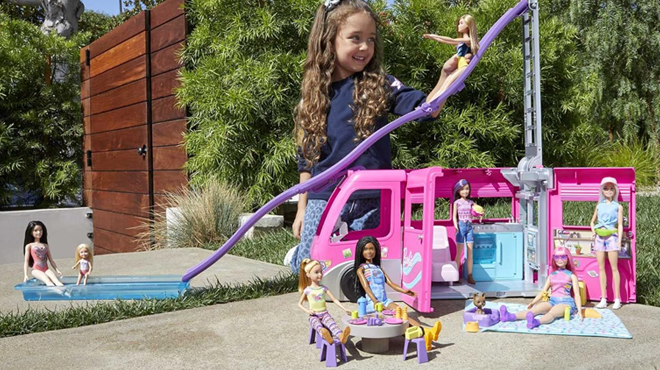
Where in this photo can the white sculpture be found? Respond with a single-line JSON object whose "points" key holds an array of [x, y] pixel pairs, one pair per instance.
{"points": [[60, 16]]}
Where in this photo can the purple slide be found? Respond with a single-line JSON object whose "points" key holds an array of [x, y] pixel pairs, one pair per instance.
{"points": [[336, 171]]}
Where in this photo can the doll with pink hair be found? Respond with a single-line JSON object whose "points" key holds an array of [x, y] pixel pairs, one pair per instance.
{"points": [[562, 280]]}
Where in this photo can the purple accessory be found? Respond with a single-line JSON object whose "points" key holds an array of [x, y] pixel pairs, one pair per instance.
{"points": [[339, 169], [393, 321], [560, 257], [531, 321], [357, 321], [505, 315], [374, 321], [388, 312]]}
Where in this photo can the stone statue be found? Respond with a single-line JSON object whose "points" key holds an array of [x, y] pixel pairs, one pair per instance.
{"points": [[60, 16]]}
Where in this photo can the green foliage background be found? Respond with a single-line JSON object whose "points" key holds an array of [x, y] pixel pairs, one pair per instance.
{"points": [[244, 65]]}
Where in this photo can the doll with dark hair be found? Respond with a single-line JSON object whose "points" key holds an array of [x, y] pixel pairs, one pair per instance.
{"points": [[37, 254], [372, 279]]}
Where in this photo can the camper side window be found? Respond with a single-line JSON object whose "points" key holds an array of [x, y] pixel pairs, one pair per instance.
{"points": [[367, 212]]}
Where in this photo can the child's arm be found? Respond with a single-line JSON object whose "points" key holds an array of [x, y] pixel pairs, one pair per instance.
{"points": [[455, 216], [540, 295], [593, 221], [303, 297], [620, 226], [448, 40], [90, 268], [576, 294], [336, 301], [302, 204], [74, 266], [27, 262], [52, 263], [365, 285], [398, 288]]}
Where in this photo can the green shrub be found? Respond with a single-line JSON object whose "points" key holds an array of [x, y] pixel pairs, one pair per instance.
{"points": [[200, 215], [40, 121], [630, 153]]}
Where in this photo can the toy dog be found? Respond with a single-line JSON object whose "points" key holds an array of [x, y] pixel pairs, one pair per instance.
{"points": [[479, 302]]}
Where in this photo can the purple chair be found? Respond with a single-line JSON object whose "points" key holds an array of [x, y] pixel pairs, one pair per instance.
{"points": [[422, 356], [312, 337], [329, 353]]}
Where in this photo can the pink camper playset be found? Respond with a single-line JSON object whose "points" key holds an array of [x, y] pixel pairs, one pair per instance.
{"points": [[510, 258]]}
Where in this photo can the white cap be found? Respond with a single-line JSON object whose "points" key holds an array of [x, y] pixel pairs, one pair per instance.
{"points": [[608, 180]]}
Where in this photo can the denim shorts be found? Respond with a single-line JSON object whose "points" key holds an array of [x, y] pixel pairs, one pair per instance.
{"points": [[464, 233], [606, 243], [564, 300]]}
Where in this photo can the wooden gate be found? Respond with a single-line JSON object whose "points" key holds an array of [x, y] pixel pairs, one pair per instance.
{"points": [[132, 129]]}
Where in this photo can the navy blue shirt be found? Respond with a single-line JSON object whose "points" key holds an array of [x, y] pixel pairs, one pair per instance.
{"points": [[341, 132]]}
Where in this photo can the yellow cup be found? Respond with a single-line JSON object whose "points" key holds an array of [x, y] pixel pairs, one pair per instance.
{"points": [[354, 315], [379, 307], [472, 326]]}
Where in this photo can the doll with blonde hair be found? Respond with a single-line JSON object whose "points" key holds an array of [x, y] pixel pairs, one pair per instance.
{"points": [[467, 44], [311, 273], [607, 233], [84, 258]]}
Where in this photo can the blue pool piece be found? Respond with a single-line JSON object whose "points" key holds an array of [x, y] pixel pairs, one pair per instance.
{"points": [[106, 287]]}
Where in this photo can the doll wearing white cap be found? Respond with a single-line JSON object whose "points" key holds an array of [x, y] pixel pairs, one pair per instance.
{"points": [[608, 233]]}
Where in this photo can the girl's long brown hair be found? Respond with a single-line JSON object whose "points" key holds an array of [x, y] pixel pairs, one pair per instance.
{"points": [[371, 92]]}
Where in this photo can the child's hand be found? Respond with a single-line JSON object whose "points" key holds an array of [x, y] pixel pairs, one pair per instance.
{"points": [[410, 293], [25, 278], [59, 273], [310, 312], [530, 305], [580, 314]]}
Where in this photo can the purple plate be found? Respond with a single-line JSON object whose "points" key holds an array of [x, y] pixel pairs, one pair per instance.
{"points": [[357, 321], [388, 312]]}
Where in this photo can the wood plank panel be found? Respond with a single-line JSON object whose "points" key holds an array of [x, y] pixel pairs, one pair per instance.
{"points": [[113, 242], [132, 115], [166, 59], [84, 89], [169, 158], [87, 125], [168, 133], [124, 139], [130, 182], [85, 103], [87, 179], [99, 250], [130, 71], [164, 84], [132, 93], [164, 110], [121, 160], [87, 198], [166, 11], [118, 222], [129, 203], [84, 72], [169, 181], [122, 53], [87, 143], [118, 35], [168, 33]]}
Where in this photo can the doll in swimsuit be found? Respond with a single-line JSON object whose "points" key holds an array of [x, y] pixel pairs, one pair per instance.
{"points": [[467, 44], [37, 255], [84, 257]]}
